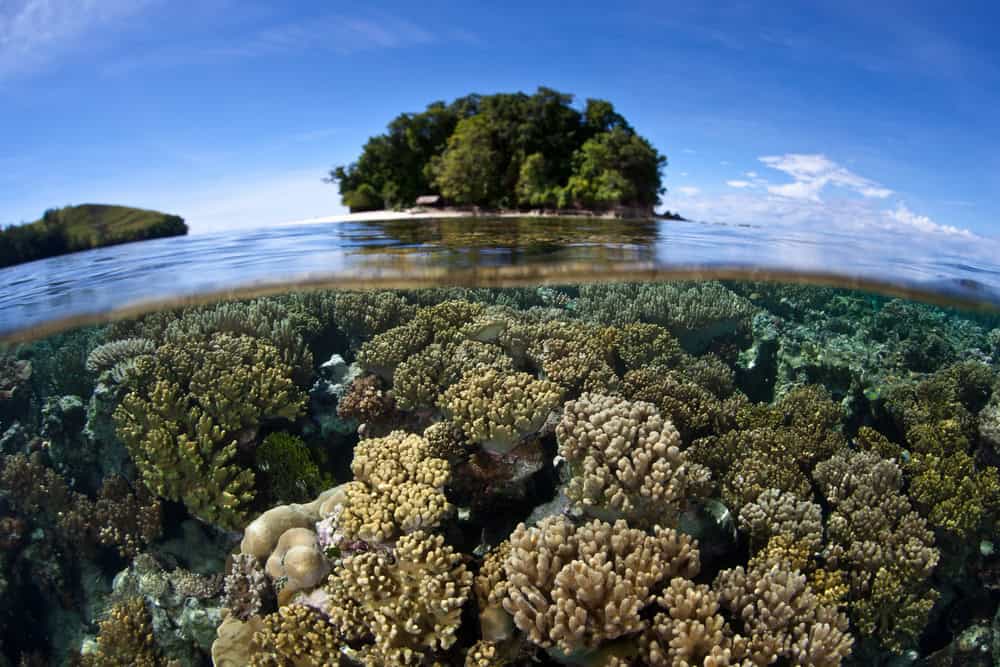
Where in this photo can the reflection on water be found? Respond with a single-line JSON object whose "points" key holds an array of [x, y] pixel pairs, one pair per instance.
{"points": [[642, 473], [484, 251]]}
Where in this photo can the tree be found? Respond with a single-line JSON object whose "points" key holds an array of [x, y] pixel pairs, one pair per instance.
{"points": [[469, 170], [614, 168]]}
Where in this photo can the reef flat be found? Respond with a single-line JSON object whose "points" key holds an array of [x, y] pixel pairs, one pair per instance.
{"points": [[654, 474]]}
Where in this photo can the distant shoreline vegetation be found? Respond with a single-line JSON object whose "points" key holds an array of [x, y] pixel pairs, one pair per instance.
{"points": [[74, 228], [507, 152]]}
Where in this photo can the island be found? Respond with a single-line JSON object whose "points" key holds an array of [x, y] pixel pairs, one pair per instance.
{"points": [[510, 152], [72, 228]]}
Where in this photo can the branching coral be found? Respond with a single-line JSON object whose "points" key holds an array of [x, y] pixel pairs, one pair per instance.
{"points": [[626, 460], [406, 606], [367, 401], [398, 489], [363, 314], [694, 410], [873, 528], [125, 638], [188, 409], [296, 636], [498, 409], [578, 587], [782, 617], [694, 312], [575, 355], [777, 512], [420, 379]]}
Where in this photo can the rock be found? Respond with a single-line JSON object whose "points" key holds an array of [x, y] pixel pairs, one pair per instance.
{"points": [[335, 377]]}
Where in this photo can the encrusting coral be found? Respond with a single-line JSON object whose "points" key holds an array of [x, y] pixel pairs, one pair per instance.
{"points": [[498, 409], [626, 460], [398, 488], [188, 409]]}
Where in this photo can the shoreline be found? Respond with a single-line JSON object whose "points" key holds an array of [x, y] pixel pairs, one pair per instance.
{"points": [[418, 213]]}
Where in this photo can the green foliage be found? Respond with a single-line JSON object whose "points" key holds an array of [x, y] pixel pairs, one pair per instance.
{"points": [[292, 475], [82, 227], [506, 150]]}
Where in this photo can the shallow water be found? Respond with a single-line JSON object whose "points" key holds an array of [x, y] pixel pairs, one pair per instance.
{"points": [[552, 472]]}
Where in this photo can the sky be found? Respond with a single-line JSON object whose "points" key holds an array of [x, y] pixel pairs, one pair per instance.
{"points": [[229, 113]]}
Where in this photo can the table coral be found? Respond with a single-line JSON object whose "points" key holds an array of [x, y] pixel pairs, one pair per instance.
{"points": [[187, 409], [497, 409], [626, 461]]}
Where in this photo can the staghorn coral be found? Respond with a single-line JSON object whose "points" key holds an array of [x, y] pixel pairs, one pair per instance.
{"points": [[781, 616], [776, 512], [577, 587], [190, 406], [397, 489], [498, 409], [873, 529], [626, 461], [117, 355], [405, 607], [296, 635], [125, 638], [247, 589], [419, 380]]}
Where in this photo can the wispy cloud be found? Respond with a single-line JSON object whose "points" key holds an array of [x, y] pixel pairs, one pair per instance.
{"points": [[688, 190], [34, 33], [340, 34], [812, 172], [738, 184]]}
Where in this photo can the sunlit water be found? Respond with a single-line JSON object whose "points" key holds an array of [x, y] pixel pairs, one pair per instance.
{"points": [[503, 442]]}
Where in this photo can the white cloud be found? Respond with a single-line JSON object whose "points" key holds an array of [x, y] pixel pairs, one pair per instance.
{"points": [[738, 184], [750, 174], [688, 190], [903, 216], [811, 173], [33, 33]]}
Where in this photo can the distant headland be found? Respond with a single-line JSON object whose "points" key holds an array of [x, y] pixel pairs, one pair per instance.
{"points": [[64, 230], [510, 153]]}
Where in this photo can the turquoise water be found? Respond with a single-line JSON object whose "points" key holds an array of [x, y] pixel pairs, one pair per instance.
{"points": [[475, 452]]}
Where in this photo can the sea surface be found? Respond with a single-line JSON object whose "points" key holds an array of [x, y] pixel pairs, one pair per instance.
{"points": [[503, 442]]}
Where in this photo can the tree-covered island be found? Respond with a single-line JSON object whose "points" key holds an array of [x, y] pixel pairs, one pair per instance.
{"points": [[508, 151], [73, 228]]}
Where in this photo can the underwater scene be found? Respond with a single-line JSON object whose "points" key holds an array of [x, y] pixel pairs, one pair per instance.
{"points": [[673, 473]]}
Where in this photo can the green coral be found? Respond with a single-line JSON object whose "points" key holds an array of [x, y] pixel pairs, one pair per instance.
{"points": [[292, 475], [188, 409], [362, 315], [952, 493], [420, 379]]}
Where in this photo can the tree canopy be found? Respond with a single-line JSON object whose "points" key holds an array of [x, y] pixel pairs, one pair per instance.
{"points": [[507, 151]]}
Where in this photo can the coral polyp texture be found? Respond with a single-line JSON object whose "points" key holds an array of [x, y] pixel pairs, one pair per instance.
{"points": [[696, 474], [626, 459], [499, 409], [189, 409]]}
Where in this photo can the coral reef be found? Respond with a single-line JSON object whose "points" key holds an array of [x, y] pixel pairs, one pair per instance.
{"points": [[497, 409], [285, 464], [190, 406], [125, 639], [625, 460]]}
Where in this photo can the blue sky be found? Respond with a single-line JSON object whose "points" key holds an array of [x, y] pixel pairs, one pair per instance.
{"points": [[230, 113]]}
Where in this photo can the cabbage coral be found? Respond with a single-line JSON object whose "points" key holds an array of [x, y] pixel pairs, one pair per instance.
{"points": [[398, 489], [497, 409], [403, 608], [626, 460], [188, 408]]}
